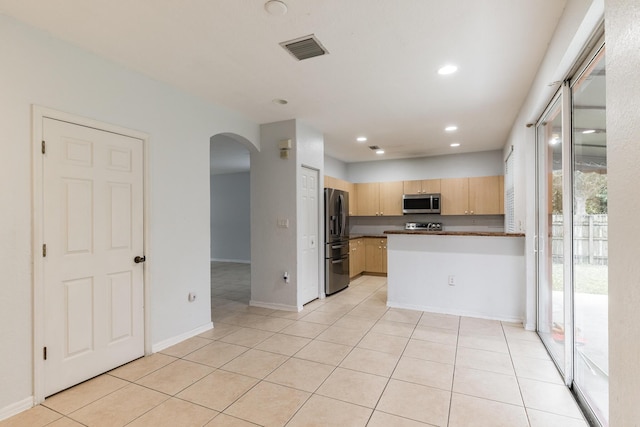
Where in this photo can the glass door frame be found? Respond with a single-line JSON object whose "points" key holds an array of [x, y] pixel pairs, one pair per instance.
{"points": [[565, 95]]}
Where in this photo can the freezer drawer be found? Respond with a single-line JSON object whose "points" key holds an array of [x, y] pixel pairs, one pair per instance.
{"points": [[336, 274], [336, 249]]}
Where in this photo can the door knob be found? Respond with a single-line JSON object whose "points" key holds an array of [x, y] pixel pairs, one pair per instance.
{"points": [[139, 259]]}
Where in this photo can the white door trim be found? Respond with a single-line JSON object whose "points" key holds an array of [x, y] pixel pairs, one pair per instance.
{"points": [[38, 114]]}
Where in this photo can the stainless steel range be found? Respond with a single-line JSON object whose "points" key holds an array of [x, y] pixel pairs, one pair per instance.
{"points": [[427, 226]]}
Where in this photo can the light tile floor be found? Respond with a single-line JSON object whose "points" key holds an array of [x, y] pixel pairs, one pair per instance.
{"points": [[343, 361]]}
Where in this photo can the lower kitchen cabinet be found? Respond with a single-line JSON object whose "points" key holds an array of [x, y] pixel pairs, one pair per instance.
{"points": [[375, 255], [356, 257]]}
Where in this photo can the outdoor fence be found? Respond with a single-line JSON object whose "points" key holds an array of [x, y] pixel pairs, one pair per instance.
{"points": [[590, 239]]}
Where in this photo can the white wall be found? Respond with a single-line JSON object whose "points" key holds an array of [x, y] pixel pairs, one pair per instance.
{"points": [[37, 69], [230, 217], [623, 152], [310, 153], [274, 185], [273, 196], [485, 163], [334, 167], [487, 273], [580, 18]]}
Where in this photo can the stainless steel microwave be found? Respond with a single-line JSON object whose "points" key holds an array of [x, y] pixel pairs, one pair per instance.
{"points": [[421, 204]]}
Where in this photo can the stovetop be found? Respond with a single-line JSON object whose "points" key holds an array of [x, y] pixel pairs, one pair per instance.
{"points": [[428, 226]]}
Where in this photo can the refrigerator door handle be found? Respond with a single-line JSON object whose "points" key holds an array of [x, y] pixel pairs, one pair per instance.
{"points": [[340, 209]]}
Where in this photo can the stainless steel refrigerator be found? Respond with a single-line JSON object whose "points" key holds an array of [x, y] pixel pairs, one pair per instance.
{"points": [[336, 234]]}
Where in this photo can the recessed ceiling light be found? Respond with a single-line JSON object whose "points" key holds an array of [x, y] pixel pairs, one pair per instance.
{"points": [[589, 131], [380, 151], [275, 7], [451, 128], [454, 144], [280, 101], [447, 69], [361, 138]]}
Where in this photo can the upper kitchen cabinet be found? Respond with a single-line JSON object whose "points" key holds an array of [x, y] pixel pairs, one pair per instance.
{"points": [[379, 198], [471, 196], [353, 199], [422, 186]]}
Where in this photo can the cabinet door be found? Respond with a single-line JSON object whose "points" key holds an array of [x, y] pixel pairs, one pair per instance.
{"points": [[484, 195], [352, 258], [412, 187], [353, 199], [384, 256], [431, 186], [361, 255], [391, 198], [329, 182], [454, 196], [373, 255], [501, 209], [368, 196]]}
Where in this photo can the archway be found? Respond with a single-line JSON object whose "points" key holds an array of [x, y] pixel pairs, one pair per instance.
{"points": [[230, 219]]}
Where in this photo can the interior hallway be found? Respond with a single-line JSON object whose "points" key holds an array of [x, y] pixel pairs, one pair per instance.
{"points": [[346, 360]]}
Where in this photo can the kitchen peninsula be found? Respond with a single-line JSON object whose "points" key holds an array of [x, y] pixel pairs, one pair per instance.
{"points": [[479, 274]]}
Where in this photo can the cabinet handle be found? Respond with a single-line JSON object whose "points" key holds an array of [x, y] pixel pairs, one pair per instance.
{"points": [[381, 213], [466, 212], [471, 212]]}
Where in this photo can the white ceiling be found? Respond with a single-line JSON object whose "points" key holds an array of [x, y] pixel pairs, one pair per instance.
{"points": [[379, 79]]}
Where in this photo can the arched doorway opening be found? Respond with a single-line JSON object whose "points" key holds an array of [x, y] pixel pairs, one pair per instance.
{"points": [[230, 220]]}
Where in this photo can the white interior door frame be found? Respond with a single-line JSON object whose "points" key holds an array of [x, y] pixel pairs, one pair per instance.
{"points": [[39, 113]]}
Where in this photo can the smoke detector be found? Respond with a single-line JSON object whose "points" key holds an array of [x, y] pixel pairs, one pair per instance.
{"points": [[304, 47], [275, 7]]}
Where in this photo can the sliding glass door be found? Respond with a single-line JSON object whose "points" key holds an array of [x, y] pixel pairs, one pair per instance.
{"points": [[551, 317], [590, 221], [572, 234]]}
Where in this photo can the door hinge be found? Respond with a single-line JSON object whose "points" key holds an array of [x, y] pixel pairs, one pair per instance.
{"points": [[44, 250], [44, 149], [44, 353]]}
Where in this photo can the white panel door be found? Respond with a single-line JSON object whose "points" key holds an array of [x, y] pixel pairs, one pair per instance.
{"points": [[308, 277], [93, 229]]}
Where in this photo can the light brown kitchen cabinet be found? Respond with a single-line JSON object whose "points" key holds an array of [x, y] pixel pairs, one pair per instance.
{"points": [[501, 194], [422, 186], [471, 196], [329, 182], [353, 199], [356, 257], [379, 198], [375, 255]]}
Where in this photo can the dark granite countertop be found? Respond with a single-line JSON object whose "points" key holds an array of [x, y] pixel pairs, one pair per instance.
{"points": [[456, 233], [360, 236]]}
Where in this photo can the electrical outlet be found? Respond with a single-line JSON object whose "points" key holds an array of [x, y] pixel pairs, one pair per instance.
{"points": [[452, 280], [283, 223]]}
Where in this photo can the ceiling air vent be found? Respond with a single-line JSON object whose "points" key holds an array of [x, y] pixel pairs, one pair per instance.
{"points": [[304, 47], [374, 147]]}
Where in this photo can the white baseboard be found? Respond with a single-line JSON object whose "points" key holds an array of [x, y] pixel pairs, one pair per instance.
{"points": [[16, 408], [283, 307], [239, 261], [179, 338], [530, 327], [454, 312]]}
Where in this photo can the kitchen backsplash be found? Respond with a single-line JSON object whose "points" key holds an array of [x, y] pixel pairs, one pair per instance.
{"points": [[378, 224]]}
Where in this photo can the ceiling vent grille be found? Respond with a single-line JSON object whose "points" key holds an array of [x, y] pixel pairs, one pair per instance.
{"points": [[304, 47], [374, 147]]}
